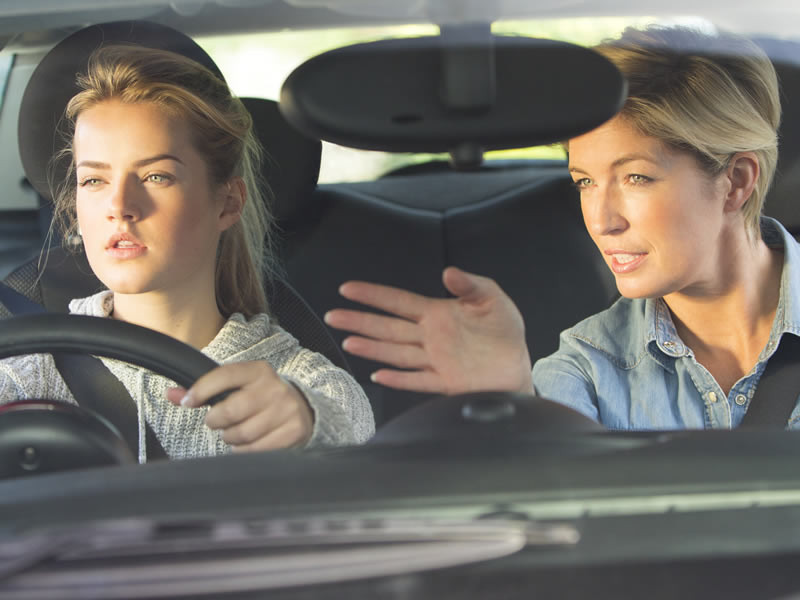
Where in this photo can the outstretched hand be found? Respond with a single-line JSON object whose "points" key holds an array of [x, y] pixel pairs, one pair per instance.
{"points": [[472, 342], [263, 413]]}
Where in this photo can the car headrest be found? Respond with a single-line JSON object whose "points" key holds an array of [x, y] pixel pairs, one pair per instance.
{"points": [[291, 160], [781, 202], [53, 84], [454, 93]]}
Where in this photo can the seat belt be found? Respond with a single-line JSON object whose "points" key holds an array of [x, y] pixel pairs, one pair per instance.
{"points": [[778, 389], [16, 303], [90, 380]]}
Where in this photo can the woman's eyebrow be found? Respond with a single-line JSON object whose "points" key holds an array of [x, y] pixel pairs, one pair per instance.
{"points": [[621, 161], [158, 157], [632, 157], [93, 164]]}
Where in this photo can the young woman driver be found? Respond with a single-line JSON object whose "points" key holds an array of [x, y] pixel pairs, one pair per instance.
{"points": [[162, 191], [671, 191]]}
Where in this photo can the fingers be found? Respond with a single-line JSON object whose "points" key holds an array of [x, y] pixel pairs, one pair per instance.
{"points": [[374, 326], [390, 299], [415, 381], [259, 418], [228, 377], [404, 356], [264, 411], [276, 426], [468, 285], [288, 435]]}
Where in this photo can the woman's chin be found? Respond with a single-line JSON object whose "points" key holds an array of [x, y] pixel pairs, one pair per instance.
{"points": [[633, 292], [127, 286]]}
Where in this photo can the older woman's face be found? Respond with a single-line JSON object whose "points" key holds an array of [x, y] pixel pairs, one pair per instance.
{"points": [[654, 215]]}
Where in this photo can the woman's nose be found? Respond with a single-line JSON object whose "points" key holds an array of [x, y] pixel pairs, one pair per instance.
{"points": [[123, 203], [603, 212]]}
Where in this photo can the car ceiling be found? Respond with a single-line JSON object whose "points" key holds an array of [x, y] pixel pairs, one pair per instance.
{"points": [[205, 16]]}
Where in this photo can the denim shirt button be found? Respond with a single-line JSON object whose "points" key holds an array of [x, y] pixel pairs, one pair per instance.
{"points": [[741, 400], [712, 397]]}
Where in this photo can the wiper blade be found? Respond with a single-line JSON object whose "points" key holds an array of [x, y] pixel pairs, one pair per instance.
{"points": [[144, 559]]}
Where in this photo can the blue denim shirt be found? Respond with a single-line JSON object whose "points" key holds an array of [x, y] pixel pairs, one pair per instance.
{"points": [[627, 368]]}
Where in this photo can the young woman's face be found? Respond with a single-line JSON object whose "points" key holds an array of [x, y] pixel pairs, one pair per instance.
{"points": [[655, 216], [149, 216]]}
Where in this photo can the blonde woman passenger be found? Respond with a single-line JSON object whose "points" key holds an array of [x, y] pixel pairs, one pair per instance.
{"points": [[671, 191], [163, 190]]}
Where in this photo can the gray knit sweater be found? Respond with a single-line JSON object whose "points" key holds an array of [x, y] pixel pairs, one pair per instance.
{"points": [[342, 413]]}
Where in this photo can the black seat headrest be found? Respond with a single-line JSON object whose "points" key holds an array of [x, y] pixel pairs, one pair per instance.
{"points": [[53, 84], [781, 201], [291, 164], [291, 160]]}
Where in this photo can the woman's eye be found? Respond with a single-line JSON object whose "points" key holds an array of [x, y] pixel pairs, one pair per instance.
{"points": [[89, 182], [158, 178], [582, 183], [639, 179]]}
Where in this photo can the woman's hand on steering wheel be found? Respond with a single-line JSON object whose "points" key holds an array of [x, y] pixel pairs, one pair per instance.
{"points": [[264, 412]]}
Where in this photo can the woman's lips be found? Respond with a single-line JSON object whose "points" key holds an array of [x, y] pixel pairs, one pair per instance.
{"points": [[124, 246], [125, 252], [625, 262]]}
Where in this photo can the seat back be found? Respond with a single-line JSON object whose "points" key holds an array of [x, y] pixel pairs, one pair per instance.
{"points": [[520, 225], [782, 200]]}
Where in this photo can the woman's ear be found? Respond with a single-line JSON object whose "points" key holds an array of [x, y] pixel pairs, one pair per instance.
{"points": [[742, 173], [234, 196]]}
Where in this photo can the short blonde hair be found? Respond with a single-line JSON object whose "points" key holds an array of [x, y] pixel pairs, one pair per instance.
{"points": [[222, 131], [711, 95]]}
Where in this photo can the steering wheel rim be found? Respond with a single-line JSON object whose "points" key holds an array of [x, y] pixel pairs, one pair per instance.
{"points": [[64, 436], [157, 352]]}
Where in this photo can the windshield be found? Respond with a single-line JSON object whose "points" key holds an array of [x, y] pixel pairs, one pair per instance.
{"points": [[284, 51]]}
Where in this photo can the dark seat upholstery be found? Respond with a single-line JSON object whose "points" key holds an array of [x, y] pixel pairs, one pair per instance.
{"points": [[519, 225], [782, 199]]}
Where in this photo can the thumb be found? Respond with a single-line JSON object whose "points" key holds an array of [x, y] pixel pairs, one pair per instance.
{"points": [[467, 286]]}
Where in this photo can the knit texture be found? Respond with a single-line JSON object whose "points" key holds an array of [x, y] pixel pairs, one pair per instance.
{"points": [[342, 413]]}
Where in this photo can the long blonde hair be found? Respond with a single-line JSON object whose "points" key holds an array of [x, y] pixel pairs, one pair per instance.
{"points": [[222, 131], [711, 95]]}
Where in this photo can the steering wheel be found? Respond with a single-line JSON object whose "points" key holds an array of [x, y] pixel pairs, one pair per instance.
{"points": [[43, 435]]}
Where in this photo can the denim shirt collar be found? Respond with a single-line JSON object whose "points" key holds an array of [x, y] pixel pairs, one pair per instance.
{"points": [[787, 317], [661, 339]]}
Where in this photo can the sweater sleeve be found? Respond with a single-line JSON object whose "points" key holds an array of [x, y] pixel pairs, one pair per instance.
{"points": [[32, 376], [342, 412]]}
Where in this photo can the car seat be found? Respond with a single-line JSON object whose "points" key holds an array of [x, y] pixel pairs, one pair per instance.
{"points": [[781, 201], [520, 225]]}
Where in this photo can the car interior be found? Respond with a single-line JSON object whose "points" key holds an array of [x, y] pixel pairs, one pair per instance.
{"points": [[516, 221], [570, 512], [402, 229]]}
